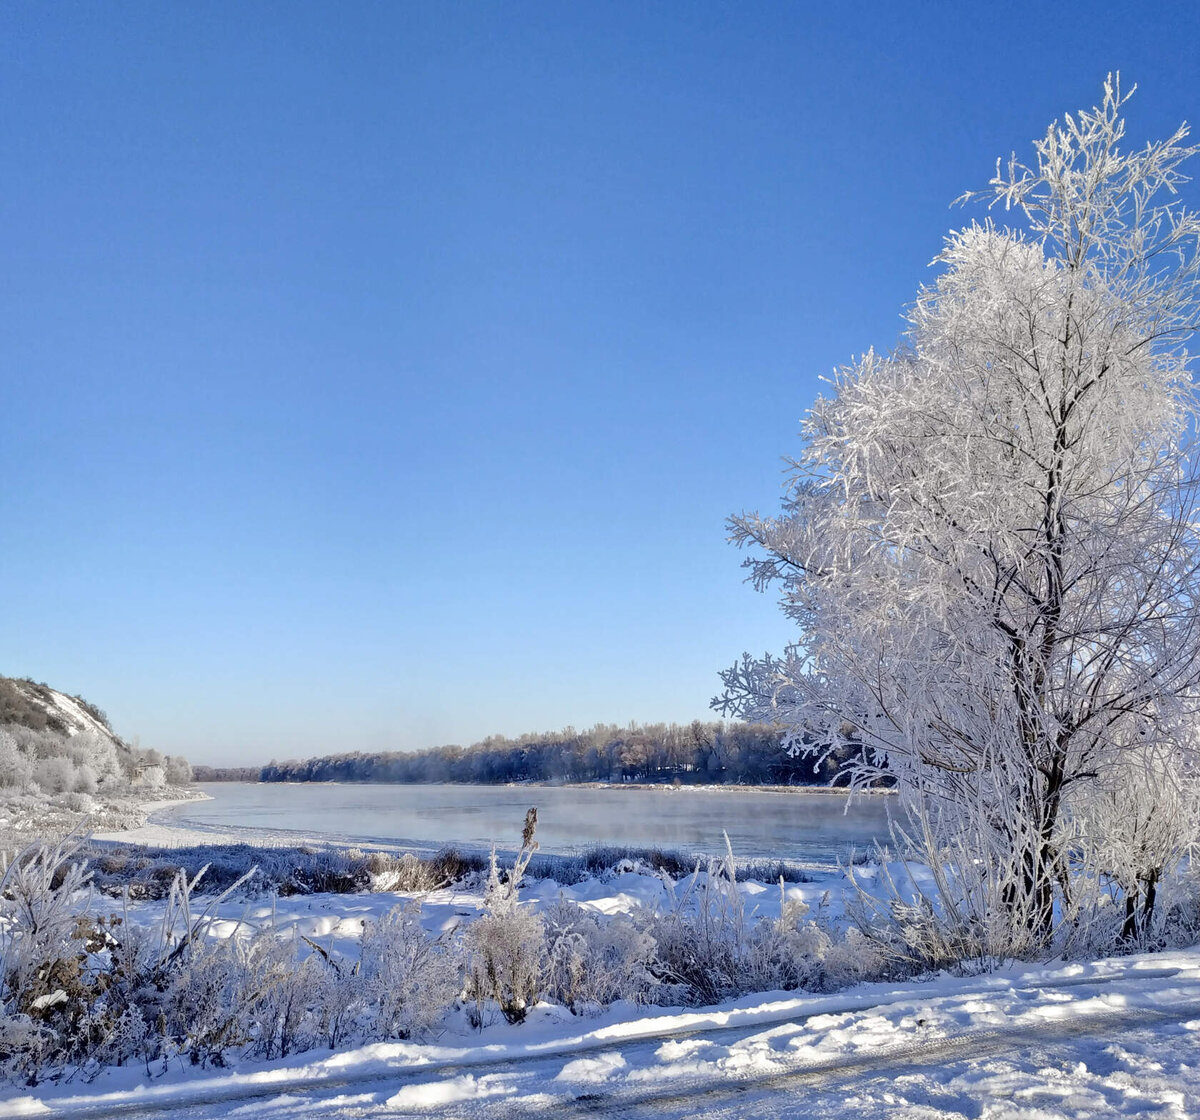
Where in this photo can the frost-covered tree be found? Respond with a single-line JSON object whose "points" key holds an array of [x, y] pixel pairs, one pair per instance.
{"points": [[15, 769], [989, 543]]}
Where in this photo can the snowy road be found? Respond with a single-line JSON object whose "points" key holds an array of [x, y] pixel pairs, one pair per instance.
{"points": [[1121, 1038]]}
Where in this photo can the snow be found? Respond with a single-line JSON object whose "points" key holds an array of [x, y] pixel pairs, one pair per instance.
{"points": [[76, 717], [429, 1095], [1119, 1037], [155, 834], [1116, 1037]]}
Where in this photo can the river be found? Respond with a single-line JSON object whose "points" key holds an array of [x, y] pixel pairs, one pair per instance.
{"points": [[809, 825]]}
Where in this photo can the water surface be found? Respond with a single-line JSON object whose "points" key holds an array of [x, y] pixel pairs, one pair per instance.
{"points": [[806, 825]]}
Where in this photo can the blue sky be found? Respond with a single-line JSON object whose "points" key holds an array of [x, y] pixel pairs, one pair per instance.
{"points": [[381, 375]]}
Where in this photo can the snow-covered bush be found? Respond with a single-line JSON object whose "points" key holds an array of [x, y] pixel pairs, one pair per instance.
{"points": [[408, 977], [410, 872], [40, 896], [701, 937], [82, 803], [16, 771], [707, 948], [85, 779], [206, 1003], [127, 1038], [506, 947], [284, 982], [506, 953], [339, 997], [787, 952], [23, 1047], [151, 777], [55, 774], [97, 752], [1138, 827], [56, 963], [851, 959], [593, 961], [177, 771]]}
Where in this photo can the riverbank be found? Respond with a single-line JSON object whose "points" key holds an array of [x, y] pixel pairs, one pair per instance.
{"points": [[28, 816], [151, 831]]}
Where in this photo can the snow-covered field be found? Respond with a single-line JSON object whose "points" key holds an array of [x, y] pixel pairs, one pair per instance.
{"points": [[1114, 1038], [1119, 1037]]}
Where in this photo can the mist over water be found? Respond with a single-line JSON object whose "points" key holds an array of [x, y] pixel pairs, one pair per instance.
{"points": [[805, 825]]}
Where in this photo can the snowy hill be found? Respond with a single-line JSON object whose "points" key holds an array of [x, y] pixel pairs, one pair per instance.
{"points": [[61, 763], [26, 703]]}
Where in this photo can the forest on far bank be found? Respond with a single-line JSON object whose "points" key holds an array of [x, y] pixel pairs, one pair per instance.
{"points": [[716, 752]]}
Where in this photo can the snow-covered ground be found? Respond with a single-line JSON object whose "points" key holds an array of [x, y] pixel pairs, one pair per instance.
{"points": [[1114, 1038], [154, 833], [1119, 1037]]}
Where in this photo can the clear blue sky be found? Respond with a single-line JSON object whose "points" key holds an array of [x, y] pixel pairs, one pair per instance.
{"points": [[381, 375]]}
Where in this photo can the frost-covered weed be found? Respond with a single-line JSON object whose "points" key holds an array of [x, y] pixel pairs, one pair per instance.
{"points": [[24, 1044], [698, 937], [206, 1009], [708, 948], [83, 991], [591, 962], [408, 978], [283, 990], [506, 947], [786, 952], [339, 1000], [506, 955]]}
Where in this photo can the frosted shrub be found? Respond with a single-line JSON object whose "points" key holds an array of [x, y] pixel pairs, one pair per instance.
{"points": [[125, 1040], [954, 901], [151, 777], [204, 1007], [23, 1046], [851, 959], [591, 963], [708, 949], [85, 780], [41, 904], [506, 955], [76, 988], [340, 998], [702, 937], [785, 952], [408, 979], [97, 752], [282, 993], [204, 1003], [506, 948], [15, 769], [78, 802], [242, 992], [54, 775]]}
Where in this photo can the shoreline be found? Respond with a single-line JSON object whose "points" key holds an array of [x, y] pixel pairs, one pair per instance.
{"points": [[706, 787], [142, 833]]}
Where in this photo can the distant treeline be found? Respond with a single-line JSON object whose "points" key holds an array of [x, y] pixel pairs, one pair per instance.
{"points": [[734, 753], [226, 773]]}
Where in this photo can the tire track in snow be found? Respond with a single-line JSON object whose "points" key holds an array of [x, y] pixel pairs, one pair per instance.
{"points": [[703, 1095]]}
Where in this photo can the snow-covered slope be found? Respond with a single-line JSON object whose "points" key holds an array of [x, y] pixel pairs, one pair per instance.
{"points": [[34, 705]]}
